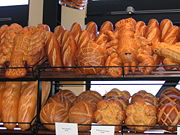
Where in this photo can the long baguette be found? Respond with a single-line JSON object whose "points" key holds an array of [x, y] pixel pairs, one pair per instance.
{"points": [[10, 102]]}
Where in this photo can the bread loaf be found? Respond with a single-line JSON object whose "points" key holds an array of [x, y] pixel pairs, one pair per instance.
{"points": [[53, 51], [46, 88], [27, 105], [165, 25], [51, 113], [168, 115], [68, 94], [68, 52], [81, 113], [10, 104], [62, 100], [109, 112], [141, 113], [91, 27], [170, 91], [58, 32], [106, 26], [169, 99], [2, 88], [76, 31]]}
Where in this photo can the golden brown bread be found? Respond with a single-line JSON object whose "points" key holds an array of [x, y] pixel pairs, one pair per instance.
{"points": [[106, 26], [58, 32], [91, 54], [46, 88], [83, 39], [165, 25], [128, 23], [118, 93], [53, 51], [141, 113], [81, 113], [169, 99], [2, 88], [76, 31], [91, 97], [114, 60], [140, 28], [62, 100], [10, 103], [142, 95], [168, 115], [27, 105], [68, 94], [153, 33], [170, 91], [109, 112], [91, 27], [68, 52], [51, 113]]}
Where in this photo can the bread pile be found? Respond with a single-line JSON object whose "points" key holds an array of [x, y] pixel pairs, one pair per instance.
{"points": [[125, 45], [18, 101], [116, 107], [25, 47]]}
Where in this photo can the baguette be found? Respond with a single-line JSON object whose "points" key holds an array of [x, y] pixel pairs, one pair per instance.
{"points": [[53, 51], [76, 31], [27, 105], [91, 27], [46, 88], [10, 104]]}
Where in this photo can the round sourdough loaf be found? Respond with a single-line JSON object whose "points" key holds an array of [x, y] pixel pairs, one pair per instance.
{"points": [[81, 113], [51, 113]]}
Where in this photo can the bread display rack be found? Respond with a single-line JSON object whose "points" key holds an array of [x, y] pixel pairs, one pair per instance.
{"points": [[46, 73]]}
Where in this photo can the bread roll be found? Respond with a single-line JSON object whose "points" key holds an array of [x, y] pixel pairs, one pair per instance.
{"points": [[81, 113], [109, 112], [51, 113], [83, 39], [2, 88], [53, 51], [141, 113], [10, 104], [27, 105], [165, 25], [168, 115]]}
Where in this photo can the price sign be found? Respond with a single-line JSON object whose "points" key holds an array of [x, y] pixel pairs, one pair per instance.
{"points": [[102, 130], [66, 128], [178, 129]]}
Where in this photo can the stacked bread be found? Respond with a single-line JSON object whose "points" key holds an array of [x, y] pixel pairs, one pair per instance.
{"points": [[128, 44], [169, 109], [18, 102]]}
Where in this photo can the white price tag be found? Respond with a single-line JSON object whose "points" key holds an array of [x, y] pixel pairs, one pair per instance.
{"points": [[102, 130], [66, 128], [178, 129]]}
